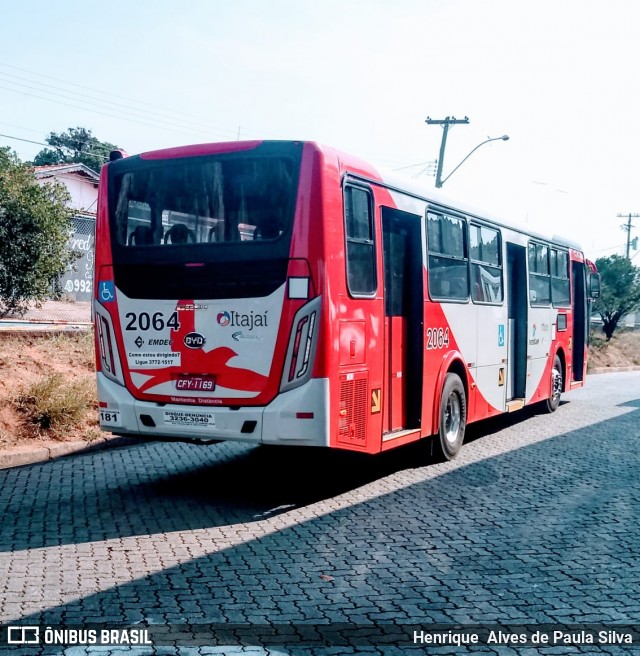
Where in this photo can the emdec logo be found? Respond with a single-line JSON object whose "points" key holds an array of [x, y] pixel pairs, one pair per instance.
{"points": [[194, 340]]}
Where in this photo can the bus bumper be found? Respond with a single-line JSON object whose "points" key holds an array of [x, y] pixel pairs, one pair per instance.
{"points": [[296, 417]]}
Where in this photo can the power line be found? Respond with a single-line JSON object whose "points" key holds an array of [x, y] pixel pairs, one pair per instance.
{"points": [[95, 111], [411, 166], [97, 102], [180, 119], [609, 248], [20, 127], [110, 114], [98, 153], [103, 103], [179, 114], [39, 143]]}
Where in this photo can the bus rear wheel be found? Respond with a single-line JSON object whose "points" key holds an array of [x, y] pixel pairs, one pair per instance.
{"points": [[453, 418], [557, 383]]}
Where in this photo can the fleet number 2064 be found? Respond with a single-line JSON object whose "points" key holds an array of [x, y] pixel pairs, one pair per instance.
{"points": [[437, 338], [157, 321]]}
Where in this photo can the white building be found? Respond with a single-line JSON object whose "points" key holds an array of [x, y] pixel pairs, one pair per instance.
{"points": [[80, 180]]}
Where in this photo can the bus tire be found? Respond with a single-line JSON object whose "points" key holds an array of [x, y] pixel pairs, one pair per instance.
{"points": [[557, 383], [453, 418]]}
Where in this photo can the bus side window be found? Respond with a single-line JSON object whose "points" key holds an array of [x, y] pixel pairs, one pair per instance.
{"points": [[486, 264], [539, 278], [560, 290], [447, 248], [360, 251], [477, 293]]}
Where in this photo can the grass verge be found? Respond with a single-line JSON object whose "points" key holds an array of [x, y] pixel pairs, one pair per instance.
{"points": [[55, 404]]}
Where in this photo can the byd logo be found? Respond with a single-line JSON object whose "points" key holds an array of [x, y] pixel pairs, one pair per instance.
{"points": [[194, 340]]}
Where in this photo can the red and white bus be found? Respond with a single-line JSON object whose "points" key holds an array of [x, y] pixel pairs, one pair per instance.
{"points": [[288, 293]]}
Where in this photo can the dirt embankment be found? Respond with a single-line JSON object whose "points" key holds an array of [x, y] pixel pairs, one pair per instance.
{"points": [[622, 351], [47, 388], [47, 384]]}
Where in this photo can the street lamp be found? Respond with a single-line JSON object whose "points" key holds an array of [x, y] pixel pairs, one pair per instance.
{"points": [[440, 182]]}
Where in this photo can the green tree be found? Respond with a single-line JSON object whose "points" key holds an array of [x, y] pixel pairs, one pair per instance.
{"points": [[75, 145], [620, 292], [35, 224]]}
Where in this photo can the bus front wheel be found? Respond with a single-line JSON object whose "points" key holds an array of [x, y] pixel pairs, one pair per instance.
{"points": [[453, 418]]}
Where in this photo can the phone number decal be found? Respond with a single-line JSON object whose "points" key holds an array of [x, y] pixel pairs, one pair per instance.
{"points": [[179, 418], [150, 360]]}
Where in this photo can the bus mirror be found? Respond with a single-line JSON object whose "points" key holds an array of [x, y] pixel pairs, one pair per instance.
{"points": [[594, 285]]}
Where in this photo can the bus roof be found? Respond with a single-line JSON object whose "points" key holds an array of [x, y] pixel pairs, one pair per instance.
{"points": [[395, 182]]}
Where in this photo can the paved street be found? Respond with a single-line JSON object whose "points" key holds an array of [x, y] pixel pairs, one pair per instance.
{"points": [[537, 522]]}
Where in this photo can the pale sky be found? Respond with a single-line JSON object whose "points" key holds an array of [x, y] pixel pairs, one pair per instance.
{"points": [[560, 77]]}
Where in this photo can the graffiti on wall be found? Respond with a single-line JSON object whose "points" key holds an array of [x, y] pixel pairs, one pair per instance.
{"points": [[77, 282]]}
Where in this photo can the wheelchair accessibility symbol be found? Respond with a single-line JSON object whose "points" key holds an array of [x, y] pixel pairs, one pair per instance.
{"points": [[107, 291]]}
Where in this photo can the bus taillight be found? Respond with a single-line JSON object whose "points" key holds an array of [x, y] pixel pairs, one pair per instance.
{"points": [[296, 348], [107, 348], [302, 345], [104, 340], [307, 346]]}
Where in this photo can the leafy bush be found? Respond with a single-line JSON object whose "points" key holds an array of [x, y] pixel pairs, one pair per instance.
{"points": [[35, 225]]}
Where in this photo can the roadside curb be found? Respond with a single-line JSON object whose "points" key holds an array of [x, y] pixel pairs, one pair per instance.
{"points": [[19, 456], [612, 370]]}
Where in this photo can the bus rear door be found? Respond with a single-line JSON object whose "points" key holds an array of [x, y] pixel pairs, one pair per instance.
{"points": [[403, 320]]}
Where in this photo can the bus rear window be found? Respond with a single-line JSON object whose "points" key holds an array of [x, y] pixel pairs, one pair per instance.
{"points": [[204, 200]]}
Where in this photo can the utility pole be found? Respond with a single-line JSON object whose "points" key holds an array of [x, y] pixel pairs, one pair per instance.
{"points": [[445, 123], [628, 227]]}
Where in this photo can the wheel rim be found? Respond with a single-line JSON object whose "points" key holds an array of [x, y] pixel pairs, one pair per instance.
{"points": [[556, 384], [452, 418]]}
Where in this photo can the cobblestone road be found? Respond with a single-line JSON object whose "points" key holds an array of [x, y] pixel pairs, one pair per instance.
{"points": [[537, 522]]}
